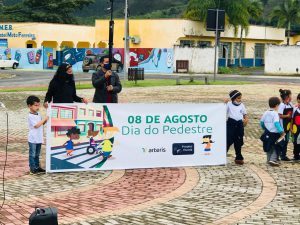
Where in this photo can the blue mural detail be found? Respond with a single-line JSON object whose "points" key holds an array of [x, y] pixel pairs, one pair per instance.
{"points": [[48, 58], [29, 58], [159, 61], [75, 56]]}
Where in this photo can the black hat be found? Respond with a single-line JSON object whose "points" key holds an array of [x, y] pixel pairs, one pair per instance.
{"points": [[73, 130], [234, 94]]}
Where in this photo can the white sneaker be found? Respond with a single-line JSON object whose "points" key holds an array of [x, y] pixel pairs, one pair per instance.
{"points": [[272, 163]]}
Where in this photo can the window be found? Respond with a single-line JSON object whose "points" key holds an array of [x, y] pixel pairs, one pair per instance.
{"points": [[29, 46], [66, 114], [54, 113], [62, 131], [260, 51], [91, 126], [98, 113], [236, 50], [81, 127], [82, 112], [225, 48], [186, 43], [98, 127], [52, 132], [203, 44], [91, 112]]}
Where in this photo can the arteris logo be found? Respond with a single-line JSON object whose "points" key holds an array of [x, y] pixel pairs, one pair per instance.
{"points": [[154, 150]]}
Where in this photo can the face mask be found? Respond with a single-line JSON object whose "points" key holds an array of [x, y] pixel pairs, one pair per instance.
{"points": [[107, 66], [236, 103]]}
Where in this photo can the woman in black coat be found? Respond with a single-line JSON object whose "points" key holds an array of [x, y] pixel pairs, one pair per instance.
{"points": [[62, 87]]}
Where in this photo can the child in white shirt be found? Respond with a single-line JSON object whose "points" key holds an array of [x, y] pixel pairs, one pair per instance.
{"points": [[35, 135], [237, 120], [273, 131], [285, 111]]}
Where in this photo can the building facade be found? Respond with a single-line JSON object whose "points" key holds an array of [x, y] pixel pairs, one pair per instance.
{"points": [[167, 33], [48, 35]]}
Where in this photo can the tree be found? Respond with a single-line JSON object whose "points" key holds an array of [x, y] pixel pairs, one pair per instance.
{"points": [[52, 11], [238, 13], [286, 14], [255, 10]]}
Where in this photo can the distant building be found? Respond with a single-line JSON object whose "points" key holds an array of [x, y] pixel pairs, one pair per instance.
{"points": [[151, 46], [165, 33], [48, 35]]}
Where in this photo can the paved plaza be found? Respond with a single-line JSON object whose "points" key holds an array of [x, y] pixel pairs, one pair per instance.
{"points": [[254, 193]]}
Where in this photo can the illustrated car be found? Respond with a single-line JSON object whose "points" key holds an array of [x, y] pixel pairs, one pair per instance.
{"points": [[91, 62], [8, 63]]}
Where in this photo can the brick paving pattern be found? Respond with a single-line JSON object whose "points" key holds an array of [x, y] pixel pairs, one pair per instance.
{"points": [[251, 194]]}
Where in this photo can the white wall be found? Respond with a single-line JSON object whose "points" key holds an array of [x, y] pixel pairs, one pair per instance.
{"points": [[201, 60], [284, 60]]}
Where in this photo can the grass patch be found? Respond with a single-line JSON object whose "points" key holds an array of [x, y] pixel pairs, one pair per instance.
{"points": [[130, 84], [240, 70]]}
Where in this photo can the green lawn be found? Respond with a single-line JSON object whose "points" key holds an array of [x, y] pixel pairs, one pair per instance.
{"points": [[130, 84]]}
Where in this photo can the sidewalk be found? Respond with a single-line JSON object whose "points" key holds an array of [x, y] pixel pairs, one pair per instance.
{"points": [[254, 193]]}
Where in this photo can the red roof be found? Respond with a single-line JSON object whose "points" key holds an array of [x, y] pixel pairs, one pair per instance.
{"points": [[62, 123]]}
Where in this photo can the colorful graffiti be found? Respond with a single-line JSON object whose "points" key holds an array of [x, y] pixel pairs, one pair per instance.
{"points": [[75, 56], [48, 58], [28, 58], [153, 60]]}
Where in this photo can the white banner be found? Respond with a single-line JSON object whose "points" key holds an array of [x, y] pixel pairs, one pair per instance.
{"points": [[84, 137]]}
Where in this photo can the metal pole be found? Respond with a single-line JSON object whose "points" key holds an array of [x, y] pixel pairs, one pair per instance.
{"points": [[126, 42], [216, 44], [111, 31]]}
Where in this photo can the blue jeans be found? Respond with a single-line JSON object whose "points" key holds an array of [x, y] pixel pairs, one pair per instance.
{"points": [[34, 155]]}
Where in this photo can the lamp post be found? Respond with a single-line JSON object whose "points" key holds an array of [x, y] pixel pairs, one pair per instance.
{"points": [[126, 41], [111, 32]]}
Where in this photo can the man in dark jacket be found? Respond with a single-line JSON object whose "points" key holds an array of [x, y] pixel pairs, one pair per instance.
{"points": [[107, 83]]}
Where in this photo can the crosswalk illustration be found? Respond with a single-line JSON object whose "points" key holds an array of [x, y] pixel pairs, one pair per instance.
{"points": [[79, 157]]}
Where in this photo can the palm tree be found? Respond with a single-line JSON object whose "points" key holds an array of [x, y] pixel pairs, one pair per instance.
{"points": [[238, 13], [286, 14], [254, 11]]}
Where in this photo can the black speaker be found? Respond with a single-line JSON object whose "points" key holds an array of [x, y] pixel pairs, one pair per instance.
{"points": [[211, 20], [44, 216]]}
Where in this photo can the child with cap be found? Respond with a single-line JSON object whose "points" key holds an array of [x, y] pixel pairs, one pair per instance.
{"points": [[237, 120]]}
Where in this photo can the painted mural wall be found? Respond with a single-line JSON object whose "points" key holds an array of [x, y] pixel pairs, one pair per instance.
{"points": [[153, 60], [29, 58], [76, 56]]}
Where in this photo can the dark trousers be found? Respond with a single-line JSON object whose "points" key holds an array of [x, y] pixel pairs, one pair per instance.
{"points": [[296, 151], [235, 134]]}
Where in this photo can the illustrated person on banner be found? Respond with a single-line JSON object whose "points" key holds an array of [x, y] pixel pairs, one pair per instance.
{"points": [[62, 87], [107, 145], [208, 142], [106, 83], [72, 134]]}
